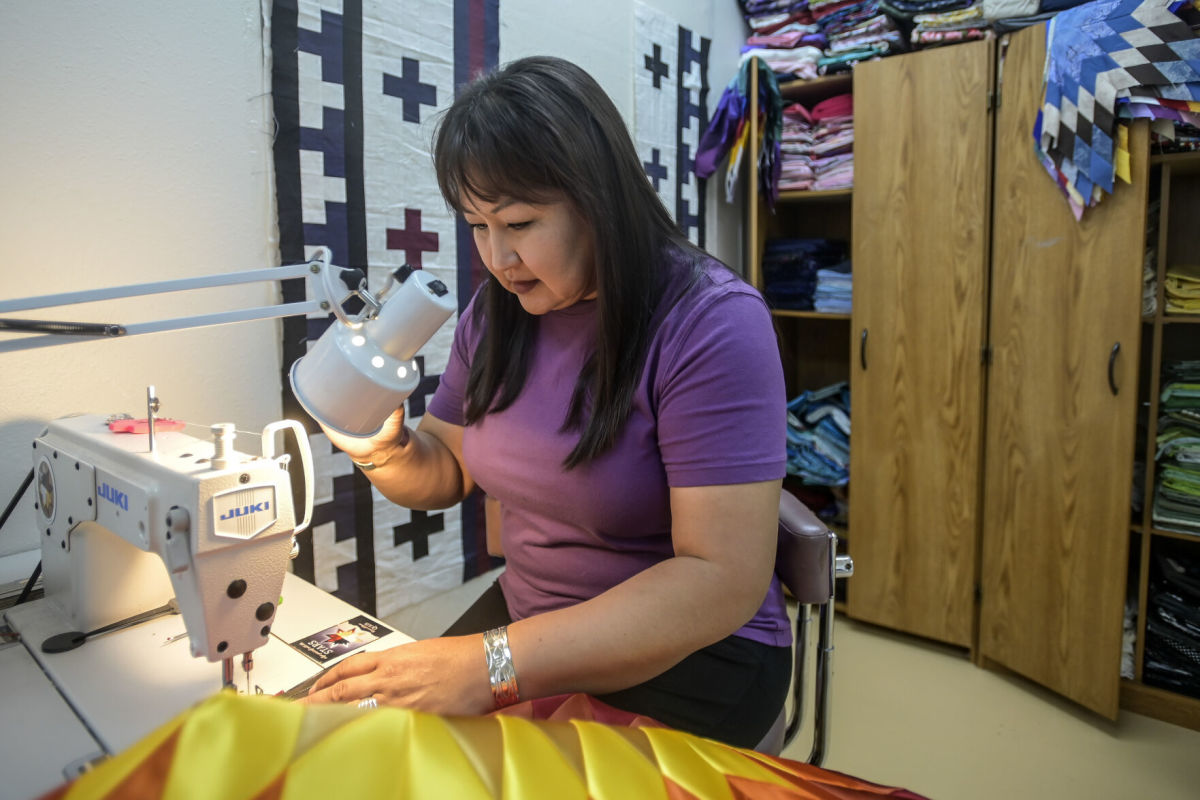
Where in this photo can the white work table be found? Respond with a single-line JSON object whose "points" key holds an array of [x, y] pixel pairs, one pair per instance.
{"points": [[116, 688]]}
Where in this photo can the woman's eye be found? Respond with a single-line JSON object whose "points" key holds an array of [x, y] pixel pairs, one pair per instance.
{"points": [[517, 226]]}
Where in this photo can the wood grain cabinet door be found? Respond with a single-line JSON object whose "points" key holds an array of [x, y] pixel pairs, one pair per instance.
{"points": [[1061, 405], [922, 186]]}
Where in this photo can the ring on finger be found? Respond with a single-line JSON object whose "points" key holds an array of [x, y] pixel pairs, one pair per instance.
{"points": [[368, 702]]}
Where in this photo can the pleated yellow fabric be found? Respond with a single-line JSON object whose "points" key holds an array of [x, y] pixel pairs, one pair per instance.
{"points": [[232, 747]]}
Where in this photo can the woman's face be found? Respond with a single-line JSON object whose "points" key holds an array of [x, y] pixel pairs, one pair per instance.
{"points": [[542, 253]]}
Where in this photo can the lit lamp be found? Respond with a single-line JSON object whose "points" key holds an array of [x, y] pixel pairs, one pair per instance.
{"points": [[362, 369]]}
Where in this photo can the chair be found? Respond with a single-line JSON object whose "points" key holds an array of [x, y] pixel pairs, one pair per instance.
{"points": [[807, 563]]}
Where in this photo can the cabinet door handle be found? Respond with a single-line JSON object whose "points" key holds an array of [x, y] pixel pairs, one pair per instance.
{"points": [[1112, 363], [862, 349]]}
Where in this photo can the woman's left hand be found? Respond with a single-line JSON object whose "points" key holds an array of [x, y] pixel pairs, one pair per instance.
{"points": [[447, 675]]}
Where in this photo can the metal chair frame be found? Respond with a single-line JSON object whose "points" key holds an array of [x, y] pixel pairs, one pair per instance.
{"points": [[808, 565]]}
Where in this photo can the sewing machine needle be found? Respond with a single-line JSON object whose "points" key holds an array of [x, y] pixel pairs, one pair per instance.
{"points": [[227, 674], [247, 665]]}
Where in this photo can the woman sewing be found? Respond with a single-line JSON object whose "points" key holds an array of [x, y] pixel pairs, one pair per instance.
{"points": [[620, 393]]}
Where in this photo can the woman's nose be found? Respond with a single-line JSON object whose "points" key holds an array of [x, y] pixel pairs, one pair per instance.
{"points": [[503, 255]]}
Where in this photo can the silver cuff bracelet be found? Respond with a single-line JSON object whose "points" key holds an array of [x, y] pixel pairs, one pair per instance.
{"points": [[500, 667]]}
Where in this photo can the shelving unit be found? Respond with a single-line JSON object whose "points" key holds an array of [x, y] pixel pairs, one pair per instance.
{"points": [[1177, 178], [1048, 508], [816, 345]]}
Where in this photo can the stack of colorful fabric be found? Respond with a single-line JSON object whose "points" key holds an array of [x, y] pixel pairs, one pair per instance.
{"points": [[949, 27], [833, 143], [818, 436], [857, 30], [905, 10], [817, 147], [1172, 658], [1177, 486], [1107, 61], [1184, 138], [783, 34], [1182, 289], [833, 289], [795, 149], [790, 268]]}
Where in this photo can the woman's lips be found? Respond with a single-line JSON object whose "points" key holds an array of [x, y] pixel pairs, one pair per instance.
{"points": [[521, 287]]}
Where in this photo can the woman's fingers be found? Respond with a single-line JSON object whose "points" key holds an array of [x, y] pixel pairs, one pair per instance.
{"points": [[348, 690], [357, 664]]}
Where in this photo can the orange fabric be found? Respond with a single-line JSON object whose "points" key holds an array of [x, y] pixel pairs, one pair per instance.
{"points": [[150, 778]]}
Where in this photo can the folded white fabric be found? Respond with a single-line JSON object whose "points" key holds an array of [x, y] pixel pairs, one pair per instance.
{"points": [[1003, 9]]}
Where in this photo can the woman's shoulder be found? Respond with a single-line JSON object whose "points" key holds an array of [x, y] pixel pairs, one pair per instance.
{"points": [[700, 284]]}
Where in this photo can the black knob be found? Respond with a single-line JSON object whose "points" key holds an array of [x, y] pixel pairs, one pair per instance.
{"points": [[236, 589], [265, 612]]}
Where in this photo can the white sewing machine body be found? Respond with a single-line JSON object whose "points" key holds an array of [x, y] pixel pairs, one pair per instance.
{"points": [[125, 525]]}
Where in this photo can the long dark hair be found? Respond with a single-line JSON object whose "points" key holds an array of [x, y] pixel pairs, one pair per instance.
{"points": [[541, 129]]}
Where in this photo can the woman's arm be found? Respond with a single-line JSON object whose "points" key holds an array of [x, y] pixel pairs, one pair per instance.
{"points": [[724, 539], [421, 469]]}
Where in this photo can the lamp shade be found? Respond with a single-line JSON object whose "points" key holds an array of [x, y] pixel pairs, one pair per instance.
{"points": [[356, 375]]}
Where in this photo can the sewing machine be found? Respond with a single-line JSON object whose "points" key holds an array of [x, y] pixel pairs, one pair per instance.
{"points": [[136, 518], [130, 521], [117, 503]]}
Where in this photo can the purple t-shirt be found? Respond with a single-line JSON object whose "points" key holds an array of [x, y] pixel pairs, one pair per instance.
{"points": [[710, 409]]}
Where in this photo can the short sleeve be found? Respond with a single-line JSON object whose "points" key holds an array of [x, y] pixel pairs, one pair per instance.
{"points": [[722, 403], [449, 399]]}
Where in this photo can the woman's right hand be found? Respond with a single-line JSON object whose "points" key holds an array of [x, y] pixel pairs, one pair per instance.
{"points": [[377, 449]]}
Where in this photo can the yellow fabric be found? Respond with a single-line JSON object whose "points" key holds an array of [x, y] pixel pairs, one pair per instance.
{"points": [[1121, 158], [611, 745], [533, 768], [112, 772], [232, 747]]}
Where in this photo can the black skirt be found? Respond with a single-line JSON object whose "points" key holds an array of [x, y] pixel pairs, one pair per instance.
{"points": [[731, 691]]}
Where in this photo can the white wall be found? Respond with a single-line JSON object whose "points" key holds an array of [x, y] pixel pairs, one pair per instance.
{"points": [[135, 145]]}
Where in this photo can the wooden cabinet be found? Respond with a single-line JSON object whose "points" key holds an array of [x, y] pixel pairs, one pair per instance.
{"points": [[998, 362], [920, 261], [1061, 410], [1166, 337]]}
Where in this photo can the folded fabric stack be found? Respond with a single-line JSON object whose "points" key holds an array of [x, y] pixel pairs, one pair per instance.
{"points": [[790, 268], [795, 149], [833, 145], [905, 10], [857, 30], [948, 27], [818, 436], [1177, 485], [1184, 138], [1172, 659], [1182, 289], [833, 289], [1108, 61], [784, 36], [817, 147]]}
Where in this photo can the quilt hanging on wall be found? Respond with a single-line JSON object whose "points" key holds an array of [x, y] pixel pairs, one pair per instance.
{"points": [[356, 87], [670, 112]]}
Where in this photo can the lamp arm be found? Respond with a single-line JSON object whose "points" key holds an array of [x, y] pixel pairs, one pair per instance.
{"points": [[70, 332]]}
